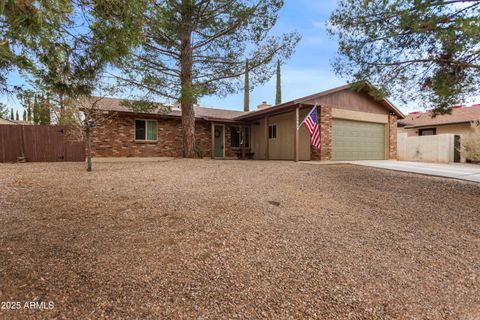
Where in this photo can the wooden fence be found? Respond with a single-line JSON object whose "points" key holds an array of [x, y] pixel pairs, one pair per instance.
{"points": [[39, 143]]}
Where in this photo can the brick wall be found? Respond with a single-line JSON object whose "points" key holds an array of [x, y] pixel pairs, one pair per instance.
{"points": [[326, 133], [325, 152], [392, 137], [229, 152], [117, 138]]}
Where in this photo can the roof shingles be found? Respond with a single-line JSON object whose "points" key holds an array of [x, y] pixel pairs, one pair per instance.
{"points": [[458, 115], [114, 104]]}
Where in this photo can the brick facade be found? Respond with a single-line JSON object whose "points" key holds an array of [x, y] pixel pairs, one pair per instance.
{"points": [[326, 133], [229, 152], [392, 137], [117, 138], [325, 152]]}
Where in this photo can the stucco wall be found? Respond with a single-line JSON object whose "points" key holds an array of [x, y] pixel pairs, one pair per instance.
{"points": [[437, 148], [281, 148], [258, 139]]}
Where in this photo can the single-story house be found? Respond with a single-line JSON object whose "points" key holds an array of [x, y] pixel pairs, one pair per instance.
{"points": [[6, 121], [353, 125], [422, 123], [14, 122]]}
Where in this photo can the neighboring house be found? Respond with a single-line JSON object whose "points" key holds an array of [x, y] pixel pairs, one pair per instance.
{"points": [[5, 121], [23, 123], [422, 123], [352, 124]]}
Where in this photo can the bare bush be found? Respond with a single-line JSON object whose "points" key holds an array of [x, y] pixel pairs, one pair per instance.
{"points": [[470, 143]]}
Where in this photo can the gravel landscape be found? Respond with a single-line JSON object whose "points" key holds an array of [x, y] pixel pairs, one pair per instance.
{"points": [[237, 239]]}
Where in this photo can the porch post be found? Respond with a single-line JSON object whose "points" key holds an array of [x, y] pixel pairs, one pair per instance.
{"points": [[213, 140], [266, 138], [243, 142], [295, 142]]}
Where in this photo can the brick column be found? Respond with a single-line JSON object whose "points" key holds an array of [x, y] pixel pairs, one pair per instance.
{"points": [[326, 133], [325, 152], [392, 137]]}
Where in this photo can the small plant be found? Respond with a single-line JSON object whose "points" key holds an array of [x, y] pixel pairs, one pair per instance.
{"points": [[470, 143], [198, 151]]}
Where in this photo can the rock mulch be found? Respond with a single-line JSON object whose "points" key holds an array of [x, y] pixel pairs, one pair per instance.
{"points": [[237, 239]]}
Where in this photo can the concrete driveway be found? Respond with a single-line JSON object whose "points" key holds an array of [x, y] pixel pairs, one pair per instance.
{"points": [[469, 172]]}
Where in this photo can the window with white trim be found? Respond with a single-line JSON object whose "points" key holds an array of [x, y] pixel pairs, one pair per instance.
{"points": [[146, 130]]}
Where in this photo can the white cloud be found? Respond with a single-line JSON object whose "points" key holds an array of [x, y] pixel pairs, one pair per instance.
{"points": [[319, 24]]}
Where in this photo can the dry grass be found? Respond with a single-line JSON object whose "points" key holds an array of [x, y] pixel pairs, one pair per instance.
{"points": [[212, 239]]}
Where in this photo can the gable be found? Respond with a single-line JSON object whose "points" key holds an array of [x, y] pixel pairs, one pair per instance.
{"points": [[351, 100]]}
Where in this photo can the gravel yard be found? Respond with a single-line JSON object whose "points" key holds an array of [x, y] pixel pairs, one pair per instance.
{"points": [[237, 239]]}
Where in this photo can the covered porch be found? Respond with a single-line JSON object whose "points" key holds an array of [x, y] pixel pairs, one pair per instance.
{"points": [[276, 134], [266, 135], [231, 140]]}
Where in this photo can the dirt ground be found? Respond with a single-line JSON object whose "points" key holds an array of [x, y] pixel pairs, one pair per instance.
{"points": [[236, 239]]}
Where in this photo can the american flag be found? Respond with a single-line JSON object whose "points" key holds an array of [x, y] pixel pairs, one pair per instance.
{"points": [[311, 121]]}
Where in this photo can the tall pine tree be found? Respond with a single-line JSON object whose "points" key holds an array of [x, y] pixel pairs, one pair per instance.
{"points": [[17, 116], [423, 51], [24, 118], [278, 95], [36, 111], [246, 90], [29, 113], [3, 111], [194, 48], [12, 116], [48, 112]]}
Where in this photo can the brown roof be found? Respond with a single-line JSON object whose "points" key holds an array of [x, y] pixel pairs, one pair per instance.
{"points": [[114, 104], [459, 114], [288, 105], [21, 122], [7, 121]]}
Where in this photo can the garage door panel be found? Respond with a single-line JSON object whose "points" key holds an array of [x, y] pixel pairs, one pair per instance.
{"points": [[355, 140]]}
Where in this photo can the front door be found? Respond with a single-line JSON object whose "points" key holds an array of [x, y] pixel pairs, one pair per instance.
{"points": [[219, 141]]}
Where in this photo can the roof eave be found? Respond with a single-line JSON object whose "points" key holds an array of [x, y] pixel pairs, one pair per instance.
{"points": [[286, 105], [437, 124]]}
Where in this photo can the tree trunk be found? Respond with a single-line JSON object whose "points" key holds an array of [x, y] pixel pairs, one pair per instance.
{"points": [[62, 107], [246, 90], [187, 98], [88, 139]]}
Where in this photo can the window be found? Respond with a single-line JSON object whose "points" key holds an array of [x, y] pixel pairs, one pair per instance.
{"points": [[236, 137], [427, 132], [272, 131], [146, 130]]}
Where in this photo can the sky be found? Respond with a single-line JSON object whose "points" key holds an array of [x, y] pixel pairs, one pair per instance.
{"points": [[308, 71]]}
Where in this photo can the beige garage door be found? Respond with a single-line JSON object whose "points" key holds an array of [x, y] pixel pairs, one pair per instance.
{"points": [[357, 140]]}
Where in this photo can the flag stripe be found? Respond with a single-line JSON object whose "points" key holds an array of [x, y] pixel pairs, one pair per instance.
{"points": [[313, 128]]}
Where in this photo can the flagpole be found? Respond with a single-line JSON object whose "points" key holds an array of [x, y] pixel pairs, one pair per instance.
{"points": [[298, 127]]}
